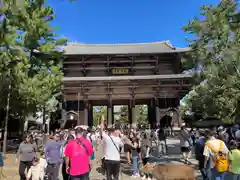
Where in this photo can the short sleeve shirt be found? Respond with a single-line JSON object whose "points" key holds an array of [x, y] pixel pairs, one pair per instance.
{"points": [[79, 156]]}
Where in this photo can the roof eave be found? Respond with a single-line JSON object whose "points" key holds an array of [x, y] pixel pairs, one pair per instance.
{"points": [[176, 51]]}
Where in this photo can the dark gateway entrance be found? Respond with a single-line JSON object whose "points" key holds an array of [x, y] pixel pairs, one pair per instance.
{"points": [[123, 74]]}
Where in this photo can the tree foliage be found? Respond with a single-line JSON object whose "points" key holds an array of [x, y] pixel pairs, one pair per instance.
{"points": [[215, 57], [98, 112], [30, 58]]}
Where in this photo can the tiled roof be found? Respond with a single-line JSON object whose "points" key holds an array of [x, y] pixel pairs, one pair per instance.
{"points": [[139, 48]]}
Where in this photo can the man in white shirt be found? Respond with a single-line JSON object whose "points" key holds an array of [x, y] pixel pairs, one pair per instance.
{"points": [[112, 144]]}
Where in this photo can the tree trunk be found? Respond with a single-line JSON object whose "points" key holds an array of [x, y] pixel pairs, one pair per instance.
{"points": [[44, 121], [6, 120]]}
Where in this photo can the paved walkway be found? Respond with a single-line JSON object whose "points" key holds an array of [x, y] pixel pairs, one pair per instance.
{"points": [[10, 170], [174, 156]]}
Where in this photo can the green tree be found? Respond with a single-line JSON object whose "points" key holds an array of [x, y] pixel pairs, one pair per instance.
{"points": [[124, 118], [142, 114], [30, 58], [98, 112], [215, 58]]}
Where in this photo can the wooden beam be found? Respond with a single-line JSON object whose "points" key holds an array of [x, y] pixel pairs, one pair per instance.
{"points": [[130, 86], [120, 96]]}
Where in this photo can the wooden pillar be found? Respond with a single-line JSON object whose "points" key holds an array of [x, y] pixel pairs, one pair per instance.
{"points": [[157, 109], [85, 112], [152, 113], [129, 112], [90, 114], [132, 113], [113, 119], [81, 113], [109, 111], [63, 113]]}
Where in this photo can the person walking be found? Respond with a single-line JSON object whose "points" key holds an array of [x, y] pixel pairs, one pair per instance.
{"points": [[26, 153], [53, 156], [65, 175], [162, 141], [78, 153], [234, 162], [112, 143], [185, 143]]}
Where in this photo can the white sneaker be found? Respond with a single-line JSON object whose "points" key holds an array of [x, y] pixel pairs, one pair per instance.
{"points": [[144, 177], [149, 178]]}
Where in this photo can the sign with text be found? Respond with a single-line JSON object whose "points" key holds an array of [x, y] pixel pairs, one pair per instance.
{"points": [[117, 71]]}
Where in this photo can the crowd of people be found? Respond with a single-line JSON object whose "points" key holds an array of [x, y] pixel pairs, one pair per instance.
{"points": [[73, 151], [216, 149]]}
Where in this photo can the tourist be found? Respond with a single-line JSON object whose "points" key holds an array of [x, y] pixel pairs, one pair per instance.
{"points": [[127, 146], [52, 150], [234, 162], [185, 143], [162, 141], [65, 175], [26, 153], [145, 153], [37, 170], [112, 152], [199, 148], [135, 155], [77, 154], [215, 152]]}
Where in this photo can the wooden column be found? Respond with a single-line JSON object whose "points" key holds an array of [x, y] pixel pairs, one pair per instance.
{"points": [[109, 111], [90, 114], [64, 113], [152, 113], [132, 112], [157, 112], [157, 109], [85, 111], [78, 111], [109, 105]]}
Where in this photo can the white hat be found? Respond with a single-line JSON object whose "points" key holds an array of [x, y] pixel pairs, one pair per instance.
{"points": [[84, 127]]}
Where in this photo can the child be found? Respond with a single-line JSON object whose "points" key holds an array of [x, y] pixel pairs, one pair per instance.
{"points": [[37, 170], [135, 156]]}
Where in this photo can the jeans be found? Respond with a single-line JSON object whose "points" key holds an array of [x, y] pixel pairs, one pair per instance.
{"points": [[232, 176], [162, 147], [112, 169], [206, 174], [218, 176], [52, 171], [23, 165], [135, 164], [65, 175], [81, 177]]}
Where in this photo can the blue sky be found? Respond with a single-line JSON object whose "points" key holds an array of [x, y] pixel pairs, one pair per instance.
{"points": [[125, 21]]}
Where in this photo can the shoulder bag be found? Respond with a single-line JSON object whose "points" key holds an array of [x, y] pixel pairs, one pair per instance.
{"points": [[114, 144]]}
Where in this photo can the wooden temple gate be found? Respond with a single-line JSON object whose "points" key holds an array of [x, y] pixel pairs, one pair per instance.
{"points": [[123, 74]]}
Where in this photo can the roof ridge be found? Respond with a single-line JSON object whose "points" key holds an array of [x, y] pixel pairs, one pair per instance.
{"points": [[168, 43]]}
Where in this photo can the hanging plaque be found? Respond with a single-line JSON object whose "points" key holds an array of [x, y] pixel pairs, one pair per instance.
{"points": [[117, 71]]}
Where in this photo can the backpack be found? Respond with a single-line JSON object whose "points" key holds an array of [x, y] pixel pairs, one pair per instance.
{"points": [[221, 161]]}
